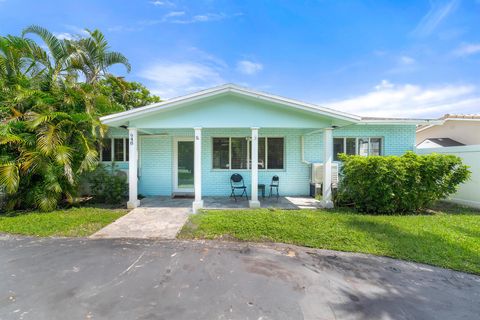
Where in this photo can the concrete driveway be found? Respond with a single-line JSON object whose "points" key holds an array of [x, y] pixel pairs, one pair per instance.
{"points": [[153, 279]]}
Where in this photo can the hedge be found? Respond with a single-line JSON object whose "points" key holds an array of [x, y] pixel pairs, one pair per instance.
{"points": [[398, 184]]}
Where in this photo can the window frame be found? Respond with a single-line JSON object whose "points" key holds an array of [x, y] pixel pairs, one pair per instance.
{"points": [[248, 138], [125, 144], [357, 138]]}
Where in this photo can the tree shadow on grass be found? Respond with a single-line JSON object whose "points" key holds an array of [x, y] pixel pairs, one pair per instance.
{"points": [[408, 291]]}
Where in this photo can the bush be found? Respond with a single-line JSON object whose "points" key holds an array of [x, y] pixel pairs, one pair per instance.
{"points": [[108, 184], [393, 184]]}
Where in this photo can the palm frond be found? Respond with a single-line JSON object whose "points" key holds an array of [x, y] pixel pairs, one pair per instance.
{"points": [[9, 177]]}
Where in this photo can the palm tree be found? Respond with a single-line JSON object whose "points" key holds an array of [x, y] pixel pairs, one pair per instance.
{"points": [[49, 126], [93, 58], [44, 151], [56, 63]]}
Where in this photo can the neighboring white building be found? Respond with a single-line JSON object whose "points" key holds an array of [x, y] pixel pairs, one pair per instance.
{"points": [[454, 130]]}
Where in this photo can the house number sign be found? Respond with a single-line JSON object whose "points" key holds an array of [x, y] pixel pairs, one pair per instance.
{"points": [[131, 139]]}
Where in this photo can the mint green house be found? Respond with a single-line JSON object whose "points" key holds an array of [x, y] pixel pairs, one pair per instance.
{"points": [[194, 143]]}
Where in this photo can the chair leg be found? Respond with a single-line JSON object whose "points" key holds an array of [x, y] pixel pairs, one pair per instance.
{"points": [[277, 193], [270, 194]]}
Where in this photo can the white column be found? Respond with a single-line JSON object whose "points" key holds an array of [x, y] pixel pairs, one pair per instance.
{"points": [[254, 203], [327, 168], [133, 201], [198, 203]]}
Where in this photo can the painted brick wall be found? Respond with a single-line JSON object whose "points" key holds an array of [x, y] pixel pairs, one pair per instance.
{"points": [[156, 158]]}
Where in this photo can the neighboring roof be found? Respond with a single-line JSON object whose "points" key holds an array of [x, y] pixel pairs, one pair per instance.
{"points": [[174, 102], [439, 142], [444, 142], [461, 116], [450, 117]]}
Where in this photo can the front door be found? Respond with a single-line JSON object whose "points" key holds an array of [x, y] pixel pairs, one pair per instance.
{"points": [[183, 165]]}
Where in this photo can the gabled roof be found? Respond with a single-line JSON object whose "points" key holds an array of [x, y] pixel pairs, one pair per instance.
{"points": [[450, 117], [444, 142], [231, 88]]}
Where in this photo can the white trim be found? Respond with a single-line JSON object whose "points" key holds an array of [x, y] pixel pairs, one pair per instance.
{"points": [[133, 201], [254, 203], [442, 122], [198, 203], [327, 168], [165, 105], [382, 143], [398, 121], [175, 188]]}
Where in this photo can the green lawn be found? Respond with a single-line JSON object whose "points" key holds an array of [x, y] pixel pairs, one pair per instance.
{"points": [[449, 237], [75, 222]]}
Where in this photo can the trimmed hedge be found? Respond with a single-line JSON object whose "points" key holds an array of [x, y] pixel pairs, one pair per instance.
{"points": [[398, 184]]}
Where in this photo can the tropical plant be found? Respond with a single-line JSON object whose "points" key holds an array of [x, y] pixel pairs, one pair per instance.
{"points": [[50, 101], [392, 184], [91, 56]]}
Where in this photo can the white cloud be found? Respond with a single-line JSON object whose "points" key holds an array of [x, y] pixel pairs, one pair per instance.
{"points": [[468, 49], [406, 60], [120, 28], [174, 14], [172, 79], [64, 35], [181, 17], [158, 3], [439, 10], [409, 100], [249, 67]]}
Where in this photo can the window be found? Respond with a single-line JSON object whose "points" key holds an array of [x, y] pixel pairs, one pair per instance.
{"points": [[235, 153], [239, 153], [275, 153], [360, 146], [106, 153], [221, 153], [116, 149]]}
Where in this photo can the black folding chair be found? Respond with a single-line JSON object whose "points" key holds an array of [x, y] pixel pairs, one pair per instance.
{"points": [[237, 183], [274, 185]]}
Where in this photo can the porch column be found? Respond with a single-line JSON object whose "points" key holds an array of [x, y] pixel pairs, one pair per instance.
{"points": [[133, 201], [327, 168], [254, 203], [197, 168]]}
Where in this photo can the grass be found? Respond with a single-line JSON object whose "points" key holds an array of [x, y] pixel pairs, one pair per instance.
{"points": [[75, 222], [448, 236]]}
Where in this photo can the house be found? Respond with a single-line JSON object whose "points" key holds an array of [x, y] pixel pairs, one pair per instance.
{"points": [[194, 143], [450, 130]]}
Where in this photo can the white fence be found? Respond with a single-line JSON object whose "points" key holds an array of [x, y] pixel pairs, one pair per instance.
{"points": [[469, 193]]}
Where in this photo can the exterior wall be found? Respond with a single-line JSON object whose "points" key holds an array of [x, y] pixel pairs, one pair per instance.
{"points": [[397, 139], [156, 156], [156, 163], [469, 192], [464, 131]]}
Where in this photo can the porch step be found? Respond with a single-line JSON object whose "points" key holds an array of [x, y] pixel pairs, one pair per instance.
{"points": [[183, 195]]}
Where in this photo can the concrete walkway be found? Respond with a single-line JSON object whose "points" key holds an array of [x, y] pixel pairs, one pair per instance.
{"points": [[148, 222], [163, 217]]}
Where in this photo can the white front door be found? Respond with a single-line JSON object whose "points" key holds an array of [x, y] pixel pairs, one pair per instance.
{"points": [[183, 165]]}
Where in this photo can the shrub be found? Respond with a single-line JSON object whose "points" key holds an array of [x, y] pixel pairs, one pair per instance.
{"points": [[108, 184], [398, 184]]}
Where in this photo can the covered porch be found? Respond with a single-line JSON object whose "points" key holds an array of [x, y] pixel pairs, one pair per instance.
{"points": [[209, 202], [223, 131], [157, 166]]}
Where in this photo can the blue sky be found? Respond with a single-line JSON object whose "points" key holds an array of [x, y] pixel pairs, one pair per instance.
{"points": [[378, 58]]}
